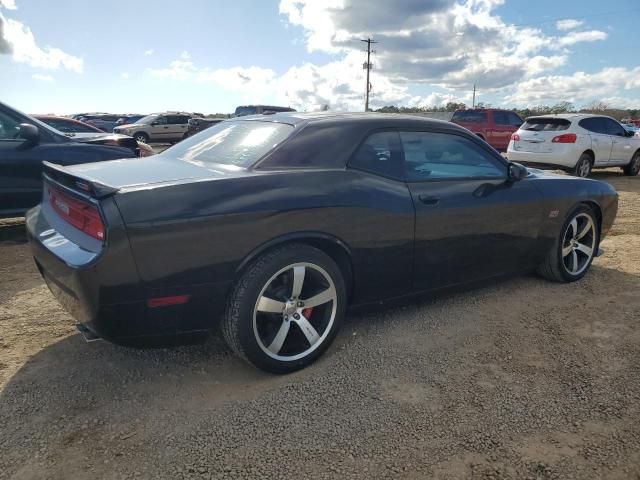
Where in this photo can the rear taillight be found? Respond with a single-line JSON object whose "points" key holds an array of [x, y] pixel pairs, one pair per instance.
{"points": [[565, 138], [515, 137], [82, 215]]}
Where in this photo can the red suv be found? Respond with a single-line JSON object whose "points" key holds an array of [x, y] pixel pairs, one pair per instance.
{"points": [[492, 125]]}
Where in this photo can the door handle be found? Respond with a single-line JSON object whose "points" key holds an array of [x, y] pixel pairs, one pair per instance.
{"points": [[427, 200]]}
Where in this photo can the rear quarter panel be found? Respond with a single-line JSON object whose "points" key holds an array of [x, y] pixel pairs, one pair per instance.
{"points": [[200, 232]]}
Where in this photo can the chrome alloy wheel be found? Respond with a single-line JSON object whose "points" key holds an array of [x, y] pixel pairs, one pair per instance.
{"points": [[295, 311], [579, 244], [584, 169]]}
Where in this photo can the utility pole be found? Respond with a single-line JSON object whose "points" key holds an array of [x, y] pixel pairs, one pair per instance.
{"points": [[474, 96], [368, 67]]}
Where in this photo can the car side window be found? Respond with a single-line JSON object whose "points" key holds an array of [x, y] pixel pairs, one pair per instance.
{"points": [[614, 128], [501, 118], [514, 119], [593, 124], [9, 128], [435, 156], [160, 121], [380, 153]]}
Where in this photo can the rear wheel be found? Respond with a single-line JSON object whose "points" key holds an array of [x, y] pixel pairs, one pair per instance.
{"points": [[634, 165], [141, 137], [286, 309], [574, 249], [583, 167]]}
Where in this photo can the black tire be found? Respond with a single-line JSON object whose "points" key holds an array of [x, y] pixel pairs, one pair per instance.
{"points": [[583, 166], [240, 323], [633, 168], [141, 137], [554, 267]]}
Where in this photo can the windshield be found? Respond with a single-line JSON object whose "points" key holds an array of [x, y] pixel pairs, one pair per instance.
{"points": [[147, 120], [235, 143], [242, 111]]}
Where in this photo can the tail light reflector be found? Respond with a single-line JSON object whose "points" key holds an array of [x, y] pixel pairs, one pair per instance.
{"points": [[167, 301], [565, 138], [82, 215], [515, 137]]}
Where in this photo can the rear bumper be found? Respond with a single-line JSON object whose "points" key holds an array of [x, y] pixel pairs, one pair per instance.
{"points": [[104, 293], [543, 160]]}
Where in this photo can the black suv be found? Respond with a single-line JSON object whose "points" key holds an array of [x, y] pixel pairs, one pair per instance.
{"points": [[25, 142]]}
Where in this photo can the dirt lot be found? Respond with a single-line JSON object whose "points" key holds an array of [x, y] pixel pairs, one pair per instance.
{"points": [[522, 379]]}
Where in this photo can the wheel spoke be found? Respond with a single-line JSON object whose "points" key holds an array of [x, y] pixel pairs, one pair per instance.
{"points": [[270, 305], [298, 281], [581, 247], [319, 299], [574, 227], [280, 337], [574, 262], [566, 251], [308, 330], [585, 230]]}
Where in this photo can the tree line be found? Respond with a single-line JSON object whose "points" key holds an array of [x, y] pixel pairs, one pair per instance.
{"points": [[598, 107]]}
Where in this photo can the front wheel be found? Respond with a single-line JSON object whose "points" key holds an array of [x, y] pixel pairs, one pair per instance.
{"points": [[574, 248], [634, 165], [141, 137], [286, 309], [583, 167]]}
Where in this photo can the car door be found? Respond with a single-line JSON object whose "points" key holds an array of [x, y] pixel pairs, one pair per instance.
{"points": [[20, 169], [472, 222], [159, 130], [177, 126], [621, 146], [601, 142], [501, 130]]}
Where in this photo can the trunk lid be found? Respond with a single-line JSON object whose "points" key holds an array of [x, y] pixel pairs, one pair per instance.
{"points": [[108, 177]]}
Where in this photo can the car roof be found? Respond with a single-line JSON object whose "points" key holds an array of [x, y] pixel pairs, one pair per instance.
{"points": [[380, 119], [568, 116]]}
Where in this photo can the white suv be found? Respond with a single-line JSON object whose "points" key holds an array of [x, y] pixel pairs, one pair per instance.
{"points": [[576, 143]]}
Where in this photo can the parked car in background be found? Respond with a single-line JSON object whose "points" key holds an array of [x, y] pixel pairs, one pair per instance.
{"points": [[128, 119], [196, 125], [493, 125], [67, 125], [283, 221], [575, 143], [25, 142], [629, 127], [157, 127], [82, 131], [105, 122], [244, 110]]}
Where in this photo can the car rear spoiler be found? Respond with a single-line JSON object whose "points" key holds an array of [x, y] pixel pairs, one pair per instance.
{"points": [[84, 184]]}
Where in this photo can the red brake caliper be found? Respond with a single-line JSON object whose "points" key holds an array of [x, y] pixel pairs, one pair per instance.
{"points": [[307, 312]]}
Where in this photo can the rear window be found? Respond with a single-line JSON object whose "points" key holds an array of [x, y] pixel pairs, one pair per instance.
{"points": [[471, 116], [237, 143], [546, 124]]}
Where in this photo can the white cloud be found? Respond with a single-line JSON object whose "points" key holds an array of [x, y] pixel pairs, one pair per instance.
{"points": [[149, 52], [18, 40], [42, 78], [125, 75], [8, 4], [185, 55], [576, 88], [568, 24], [589, 36]]}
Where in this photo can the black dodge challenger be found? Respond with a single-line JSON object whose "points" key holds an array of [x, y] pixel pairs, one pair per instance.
{"points": [[269, 226]]}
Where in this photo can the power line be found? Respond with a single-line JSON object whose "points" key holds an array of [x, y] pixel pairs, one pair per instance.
{"points": [[367, 66]]}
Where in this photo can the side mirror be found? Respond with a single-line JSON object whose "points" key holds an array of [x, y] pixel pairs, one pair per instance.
{"points": [[29, 132], [517, 172], [629, 133]]}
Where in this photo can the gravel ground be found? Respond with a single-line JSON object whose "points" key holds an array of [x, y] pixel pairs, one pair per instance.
{"points": [[520, 379]]}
